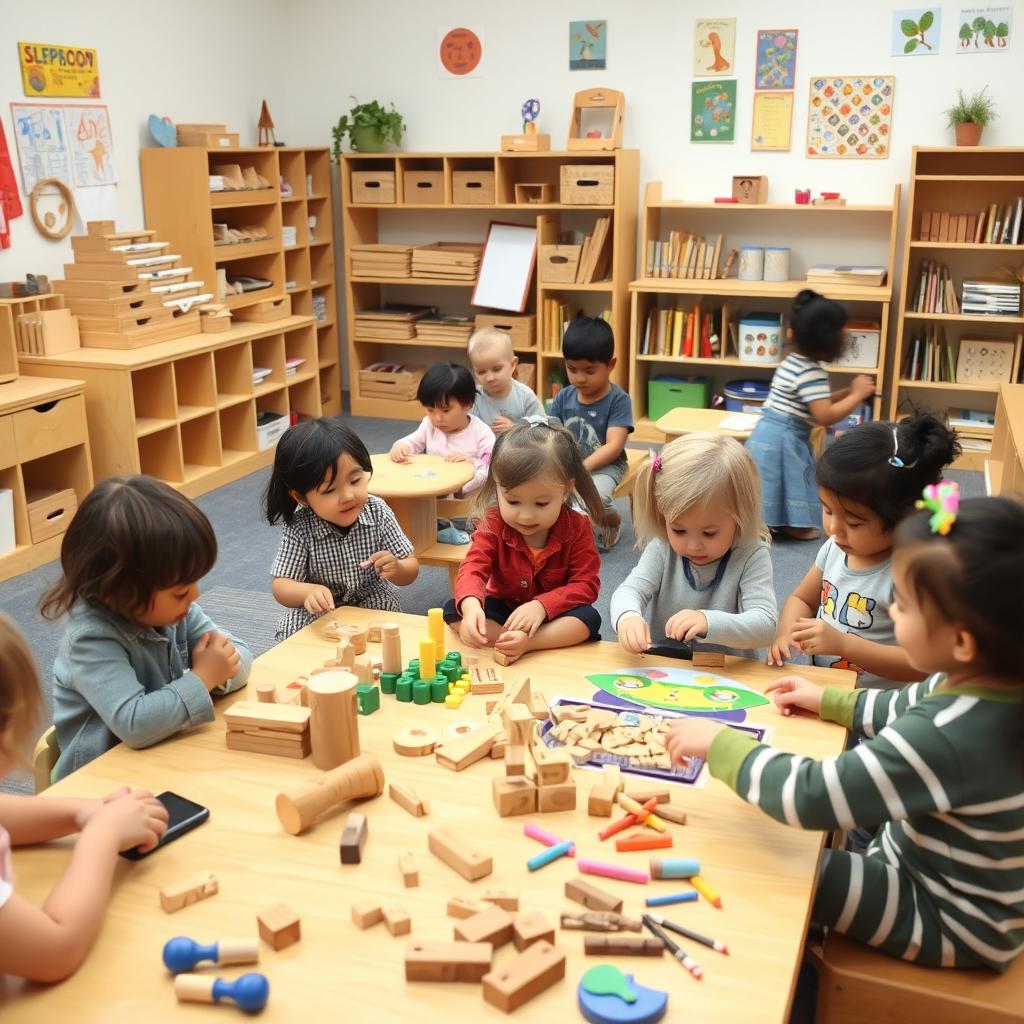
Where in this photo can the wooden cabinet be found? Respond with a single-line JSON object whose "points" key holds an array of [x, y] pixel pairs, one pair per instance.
{"points": [[1004, 471]]}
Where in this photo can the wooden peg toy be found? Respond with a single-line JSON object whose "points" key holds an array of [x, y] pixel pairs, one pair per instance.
{"points": [[708, 659], [360, 778], [391, 647], [447, 961], [373, 633], [333, 718], [279, 927], [415, 741], [462, 906], [266, 693], [353, 838], [397, 921], [485, 679], [249, 992], [435, 628], [366, 914], [528, 974], [461, 855], [674, 814], [185, 893], [492, 925], [409, 870], [407, 799], [599, 921], [622, 945], [459, 754], [530, 928], [182, 954], [591, 897], [501, 898]]}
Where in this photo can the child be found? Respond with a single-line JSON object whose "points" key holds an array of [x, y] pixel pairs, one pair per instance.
{"points": [[532, 573], [49, 943], [940, 764], [798, 399], [868, 479], [596, 412], [706, 571], [501, 400], [139, 658], [340, 545]]}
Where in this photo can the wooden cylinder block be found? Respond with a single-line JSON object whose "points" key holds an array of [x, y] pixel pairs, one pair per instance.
{"points": [[333, 719], [360, 778], [266, 693], [391, 651]]}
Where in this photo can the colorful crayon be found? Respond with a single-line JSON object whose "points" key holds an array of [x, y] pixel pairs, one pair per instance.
{"points": [[548, 855], [706, 891], [674, 867], [719, 947], [677, 897], [623, 874], [545, 838]]}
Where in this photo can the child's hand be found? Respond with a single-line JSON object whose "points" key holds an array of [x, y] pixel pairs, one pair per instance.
{"points": [[863, 386], [500, 424], [318, 600], [473, 631], [88, 809], [691, 737], [687, 625], [816, 636], [136, 818], [634, 634], [217, 660], [456, 457], [400, 452], [779, 651], [792, 692], [527, 618], [384, 562]]}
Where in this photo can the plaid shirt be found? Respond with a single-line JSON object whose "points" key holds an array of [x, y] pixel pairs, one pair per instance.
{"points": [[315, 551]]}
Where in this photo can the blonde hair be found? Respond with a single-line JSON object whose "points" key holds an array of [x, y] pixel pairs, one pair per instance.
{"points": [[490, 337], [21, 698], [698, 469]]}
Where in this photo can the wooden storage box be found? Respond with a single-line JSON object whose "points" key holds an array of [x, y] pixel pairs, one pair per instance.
{"points": [[588, 184], [210, 140], [49, 427], [373, 186], [49, 512], [559, 263], [534, 192], [538, 142], [473, 187], [395, 381], [522, 328], [265, 311], [423, 188], [750, 189], [47, 333]]}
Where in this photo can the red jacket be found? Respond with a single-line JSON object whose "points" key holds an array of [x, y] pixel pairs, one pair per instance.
{"points": [[566, 576]]}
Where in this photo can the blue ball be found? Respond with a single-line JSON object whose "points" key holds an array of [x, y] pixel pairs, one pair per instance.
{"points": [[181, 954], [250, 992]]}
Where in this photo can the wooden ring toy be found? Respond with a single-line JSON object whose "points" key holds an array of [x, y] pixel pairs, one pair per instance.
{"points": [[45, 223], [457, 730], [416, 741]]}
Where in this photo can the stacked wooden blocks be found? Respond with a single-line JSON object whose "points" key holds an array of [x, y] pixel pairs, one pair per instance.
{"points": [[263, 728]]}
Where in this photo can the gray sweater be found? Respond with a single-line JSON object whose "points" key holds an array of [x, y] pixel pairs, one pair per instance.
{"points": [[741, 610], [518, 404]]}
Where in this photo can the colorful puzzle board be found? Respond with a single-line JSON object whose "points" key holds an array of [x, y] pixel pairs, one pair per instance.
{"points": [[850, 117]]}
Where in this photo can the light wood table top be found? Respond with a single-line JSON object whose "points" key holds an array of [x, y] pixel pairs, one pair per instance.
{"points": [[423, 476], [26, 392], [764, 871], [687, 421]]}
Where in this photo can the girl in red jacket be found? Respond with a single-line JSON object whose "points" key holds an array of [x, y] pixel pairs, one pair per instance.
{"points": [[532, 572]]}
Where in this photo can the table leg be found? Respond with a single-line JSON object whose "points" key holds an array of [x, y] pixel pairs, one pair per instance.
{"points": [[418, 519]]}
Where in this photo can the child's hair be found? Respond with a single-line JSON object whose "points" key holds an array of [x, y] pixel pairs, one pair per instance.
{"points": [[887, 465], [970, 575], [131, 537], [698, 469], [443, 382], [307, 456], [531, 450], [590, 339], [21, 698], [817, 325], [491, 338]]}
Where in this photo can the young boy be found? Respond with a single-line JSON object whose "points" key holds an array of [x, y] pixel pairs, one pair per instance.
{"points": [[595, 411], [501, 400]]}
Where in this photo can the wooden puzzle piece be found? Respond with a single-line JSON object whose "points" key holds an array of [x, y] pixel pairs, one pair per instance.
{"points": [[447, 961], [366, 914], [407, 799], [192, 890], [459, 854], [279, 927], [518, 980], [530, 928], [492, 925]]}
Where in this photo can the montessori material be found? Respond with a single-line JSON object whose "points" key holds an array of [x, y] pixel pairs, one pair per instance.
{"points": [[333, 718], [360, 778], [182, 954], [250, 992], [608, 996]]}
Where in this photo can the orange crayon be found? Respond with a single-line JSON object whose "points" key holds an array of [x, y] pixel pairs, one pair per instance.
{"points": [[706, 891]]}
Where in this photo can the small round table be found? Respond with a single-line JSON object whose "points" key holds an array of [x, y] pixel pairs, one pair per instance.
{"points": [[686, 421]]}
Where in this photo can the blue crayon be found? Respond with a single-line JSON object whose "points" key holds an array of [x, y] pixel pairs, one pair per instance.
{"points": [[676, 897], [674, 867], [550, 854]]}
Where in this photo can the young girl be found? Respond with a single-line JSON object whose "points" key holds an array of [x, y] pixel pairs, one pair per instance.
{"points": [[532, 573], [800, 398], [340, 545], [48, 943], [706, 571], [139, 658], [940, 764], [868, 479]]}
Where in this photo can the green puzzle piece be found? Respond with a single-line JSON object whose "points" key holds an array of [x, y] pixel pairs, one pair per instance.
{"points": [[606, 980]]}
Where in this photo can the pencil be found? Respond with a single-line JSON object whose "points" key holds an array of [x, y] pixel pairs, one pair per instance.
{"points": [[714, 944], [687, 961]]}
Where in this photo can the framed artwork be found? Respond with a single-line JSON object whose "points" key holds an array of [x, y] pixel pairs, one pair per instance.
{"points": [[713, 111], [776, 58], [714, 46], [772, 122], [984, 29], [916, 32], [850, 117], [588, 45]]}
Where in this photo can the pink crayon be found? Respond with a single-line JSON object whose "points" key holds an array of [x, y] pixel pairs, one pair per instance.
{"points": [[623, 874], [545, 838]]}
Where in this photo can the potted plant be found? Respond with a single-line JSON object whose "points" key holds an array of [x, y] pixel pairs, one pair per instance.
{"points": [[969, 116], [370, 128]]}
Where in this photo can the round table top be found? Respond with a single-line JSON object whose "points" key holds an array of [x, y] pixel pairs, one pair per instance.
{"points": [[686, 421], [423, 476]]}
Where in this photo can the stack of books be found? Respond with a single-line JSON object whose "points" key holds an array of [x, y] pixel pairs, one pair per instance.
{"points": [[935, 292], [974, 428], [677, 332], [824, 274], [445, 328], [382, 260], [930, 357], [986, 296], [997, 224], [685, 256], [595, 255], [447, 261], [390, 323], [555, 319]]}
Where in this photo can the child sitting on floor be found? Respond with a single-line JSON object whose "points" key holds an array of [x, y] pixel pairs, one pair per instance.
{"points": [[501, 400]]}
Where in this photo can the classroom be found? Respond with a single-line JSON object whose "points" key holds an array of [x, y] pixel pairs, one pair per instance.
{"points": [[513, 512]]}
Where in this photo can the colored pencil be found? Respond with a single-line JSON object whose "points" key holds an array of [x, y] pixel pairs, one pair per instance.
{"points": [[719, 947], [706, 891], [673, 947]]}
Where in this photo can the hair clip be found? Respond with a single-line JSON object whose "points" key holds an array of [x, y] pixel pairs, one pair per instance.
{"points": [[656, 464], [943, 501], [894, 459]]}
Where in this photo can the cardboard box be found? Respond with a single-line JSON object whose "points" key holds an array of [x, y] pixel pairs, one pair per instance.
{"points": [[861, 348]]}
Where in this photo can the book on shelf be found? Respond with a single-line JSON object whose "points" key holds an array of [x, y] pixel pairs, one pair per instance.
{"points": [[679, 333], [935, 292], [930, 357], [986, 296], [555, 319], [846, 273], [684, 256], [994, 224]]}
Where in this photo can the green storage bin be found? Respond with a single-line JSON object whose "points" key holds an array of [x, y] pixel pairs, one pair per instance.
{"points": [[667, 393]]}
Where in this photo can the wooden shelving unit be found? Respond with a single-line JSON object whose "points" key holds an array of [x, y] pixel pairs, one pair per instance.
{"points": [[1004, 471], [404, 221], [960, 180], [181, 208], [816, 234]]}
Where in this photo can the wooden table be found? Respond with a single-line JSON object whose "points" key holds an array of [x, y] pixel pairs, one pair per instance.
{"points": [[764, 871], [687, 421]]}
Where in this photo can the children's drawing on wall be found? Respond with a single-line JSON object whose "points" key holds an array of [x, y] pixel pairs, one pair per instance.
{"points": [[90, 146], [984, 29], [916, 31], [850, 118], [460, 52], [776, 58], [714, 46], [713, 111], [588, 45]]}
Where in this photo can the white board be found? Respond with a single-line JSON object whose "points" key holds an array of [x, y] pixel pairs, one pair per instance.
{"points": [[506, 267]]}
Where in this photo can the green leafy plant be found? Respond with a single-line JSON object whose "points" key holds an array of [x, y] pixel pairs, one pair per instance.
{"points": [[915, 31], [371, 117], [978, 109]]}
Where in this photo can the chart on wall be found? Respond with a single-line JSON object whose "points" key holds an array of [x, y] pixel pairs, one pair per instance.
{"points": [[984, 29], [713, 111], [849, 117], [772, 121], [71, 143]]}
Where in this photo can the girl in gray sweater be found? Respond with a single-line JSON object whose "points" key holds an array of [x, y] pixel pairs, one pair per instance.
{"points": [[706, 571]]}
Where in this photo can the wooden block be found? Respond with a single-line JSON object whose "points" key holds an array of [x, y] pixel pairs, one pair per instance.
{"points": [[519, 724], [362, 669], [601, 802], [515, 759], [485, 679], [279, 927], [460, 753], [407, 799], [353, 838], [662, 794], [397, 921], [553, 764], [708, 659], [622, 945], [492, 925], [447, 961], [409, 870], [538, 706], [501, 659], [462, 906], [416, 741], [591, 897], [366, 914], [674, 814], [501, 898], [282, 717], [266, 693], [461, 855], [611, 776], [500, 746], [514, 794], [530, 928], [264, 745], [373, 633], [556, 798], [599, 921], [192, 890], [518, 980]]}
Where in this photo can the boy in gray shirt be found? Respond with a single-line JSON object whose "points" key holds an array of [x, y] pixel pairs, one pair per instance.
{"points": [[501, 400]]}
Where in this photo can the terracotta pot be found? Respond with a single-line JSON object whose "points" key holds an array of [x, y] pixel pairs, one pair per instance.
{"points": [[968, 134]]}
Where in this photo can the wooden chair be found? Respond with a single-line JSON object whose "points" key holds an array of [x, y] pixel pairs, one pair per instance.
{"points": [[44, 759], [860, 985], [634, 457]]}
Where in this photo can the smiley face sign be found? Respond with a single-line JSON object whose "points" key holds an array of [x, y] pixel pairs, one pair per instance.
{"points": [[460, 52]]}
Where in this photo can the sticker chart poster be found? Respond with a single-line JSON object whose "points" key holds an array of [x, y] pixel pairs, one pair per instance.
{"points": [[714, 46], [984, 29], [776, 58], [850, 118], [713, 111], [460, 52], [588, 45], [71, 143], [772, 122], [48, 69], [916, 32]]}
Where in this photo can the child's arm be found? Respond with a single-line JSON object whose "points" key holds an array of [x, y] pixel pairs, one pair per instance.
{"points": [[199, 624], [802, 603], [584, 580], [480, 456], [472, 579], [31, 820], [755, 621], [632, 596], [411, 444], [532, 406], [289, 572], [827, 411], [615, 442], [394, 559], [816, 636]]}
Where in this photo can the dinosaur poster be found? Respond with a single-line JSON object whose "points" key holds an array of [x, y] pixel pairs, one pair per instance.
{"points": [[984, 29], [714, 46]]}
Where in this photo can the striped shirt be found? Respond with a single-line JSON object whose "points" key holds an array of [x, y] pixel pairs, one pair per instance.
{"points": [[797, 382], [941, 769]]}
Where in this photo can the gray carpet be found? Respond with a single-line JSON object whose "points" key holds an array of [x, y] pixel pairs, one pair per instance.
{"points": [[236, 593]]}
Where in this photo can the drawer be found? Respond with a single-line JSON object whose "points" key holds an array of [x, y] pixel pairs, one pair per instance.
{"points": [[8, 456], [50, 427], [588, 184], [559, 263], [423, 188], [373, 187], [50, 512]]}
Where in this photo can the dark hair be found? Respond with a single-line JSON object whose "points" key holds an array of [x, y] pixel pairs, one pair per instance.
{"points": [[970, 575], [443, 382], [859, 464], [131, 537], [534, 449], [307, 456], [589, 338], [817, 325]]}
